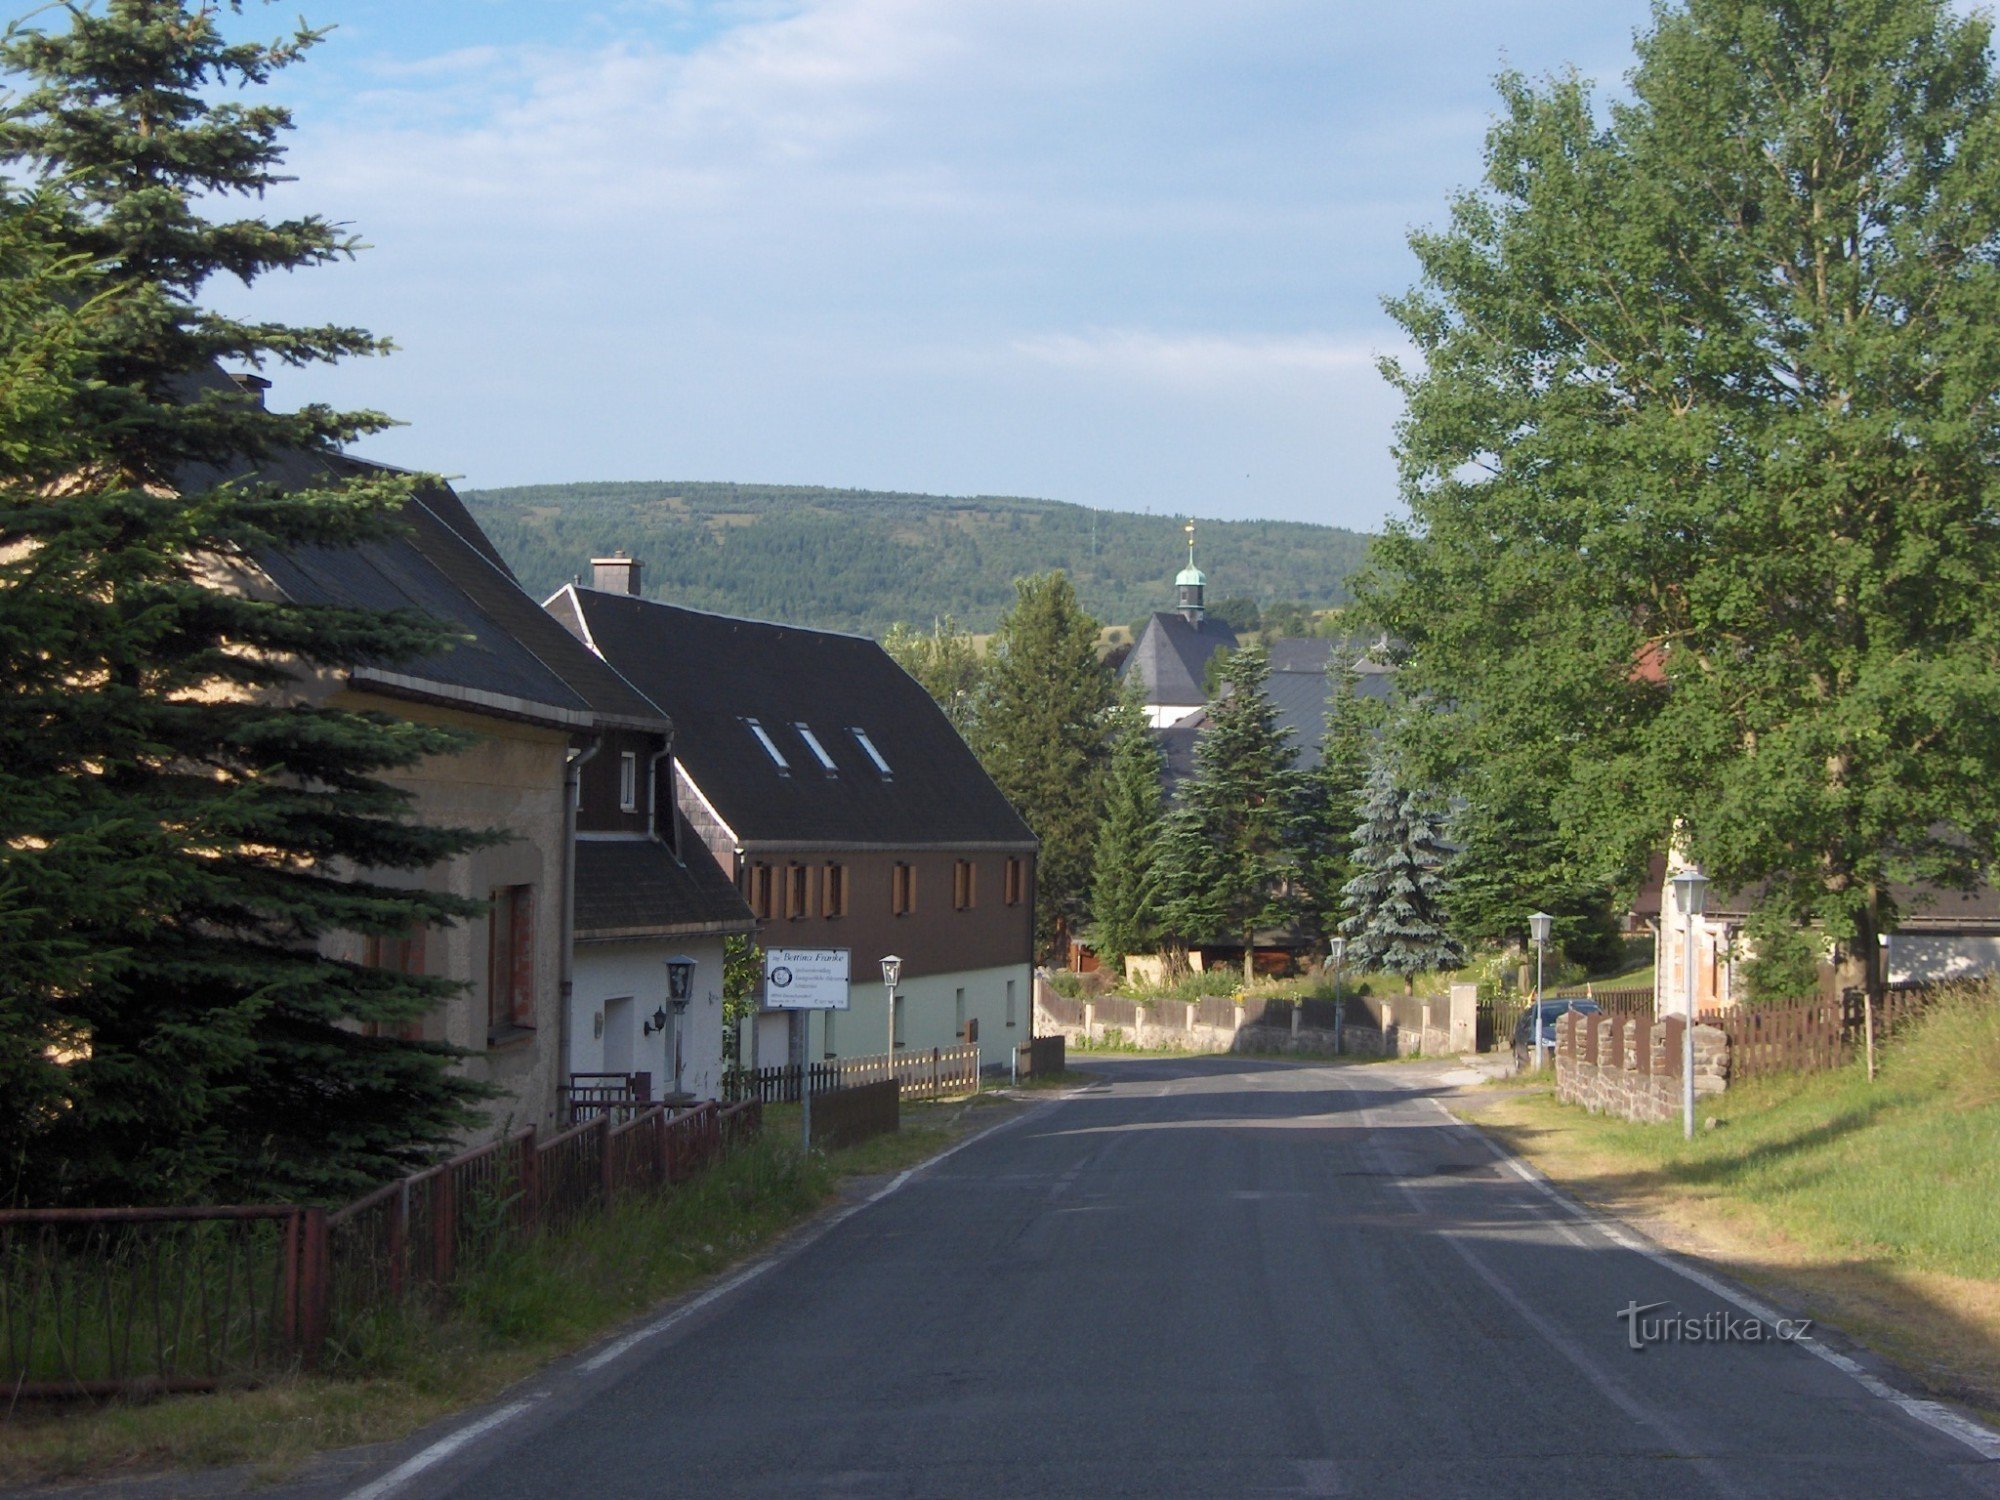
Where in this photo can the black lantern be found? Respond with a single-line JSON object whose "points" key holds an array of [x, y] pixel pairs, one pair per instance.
{"points": [[680, 980]]}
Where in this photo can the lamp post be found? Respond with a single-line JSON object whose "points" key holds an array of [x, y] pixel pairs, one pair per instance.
{"points": [[1336, 950], [892, 974], [1691, 893], [1540, 925], [680, 984]]}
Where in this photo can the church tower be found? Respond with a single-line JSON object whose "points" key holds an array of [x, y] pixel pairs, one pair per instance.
{"points": [[1190, 584]]}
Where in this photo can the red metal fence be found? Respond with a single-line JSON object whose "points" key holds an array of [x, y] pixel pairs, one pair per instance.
{"points": [[133, 1300], [100, 1301]]}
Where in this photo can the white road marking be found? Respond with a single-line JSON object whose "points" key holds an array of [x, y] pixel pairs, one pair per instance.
{"points": [[442, 1449], [446, 1446], [1981, 1439]]}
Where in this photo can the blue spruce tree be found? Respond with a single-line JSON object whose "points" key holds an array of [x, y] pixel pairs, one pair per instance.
{"points": [[1395, 902]]}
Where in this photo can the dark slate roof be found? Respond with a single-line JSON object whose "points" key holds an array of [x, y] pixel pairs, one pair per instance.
{"points": [[713, 673], [1171, 654], [634, 887], [1298, 688], [445, 568]]}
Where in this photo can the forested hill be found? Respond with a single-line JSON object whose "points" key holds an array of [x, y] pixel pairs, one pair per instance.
{"points": [[862, 559]]}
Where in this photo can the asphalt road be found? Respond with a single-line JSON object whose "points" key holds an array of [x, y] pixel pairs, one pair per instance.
{"points": [[1209, 1277]]}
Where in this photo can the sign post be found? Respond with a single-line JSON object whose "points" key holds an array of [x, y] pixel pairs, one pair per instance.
{"points": [[806, 979]]}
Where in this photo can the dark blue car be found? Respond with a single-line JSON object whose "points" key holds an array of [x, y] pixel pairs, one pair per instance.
{"points": [[1548, 1013]]}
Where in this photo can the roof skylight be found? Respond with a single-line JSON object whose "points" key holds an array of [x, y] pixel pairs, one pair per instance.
{"points": [[813, 744], [868, 745], [770, 746]]}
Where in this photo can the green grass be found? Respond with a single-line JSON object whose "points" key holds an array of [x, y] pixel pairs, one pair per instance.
{"points": [[1904, 1167]]}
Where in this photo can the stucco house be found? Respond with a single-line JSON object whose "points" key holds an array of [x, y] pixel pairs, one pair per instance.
{"points": [[834, 794], [533, 702]]}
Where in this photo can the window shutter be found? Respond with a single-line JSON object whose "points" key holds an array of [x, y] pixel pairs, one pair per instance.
{"points": [[521, 966]]}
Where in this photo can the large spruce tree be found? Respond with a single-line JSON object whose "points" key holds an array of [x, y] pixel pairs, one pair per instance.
{"points": [[1042, 729], [1228, 860], [1330, 796], [1124, 884], [1701, 447], [178, 822]]}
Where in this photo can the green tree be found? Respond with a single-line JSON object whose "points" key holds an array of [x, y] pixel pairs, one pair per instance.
{"points": [[1330, 796], [1124, 887], [1396, 901], [1700, 453], [945, 662], [1229, 857], [1042, 729], [172, 806]]}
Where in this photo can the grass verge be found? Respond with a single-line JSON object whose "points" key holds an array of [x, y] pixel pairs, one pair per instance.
{"points": [[404, 1368], [1869, 1205]]}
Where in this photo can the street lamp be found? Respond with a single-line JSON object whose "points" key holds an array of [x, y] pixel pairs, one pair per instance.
{"points": [[1691, 894], [892, 974], [680, 984], [1540, 925], [1336, 950]]}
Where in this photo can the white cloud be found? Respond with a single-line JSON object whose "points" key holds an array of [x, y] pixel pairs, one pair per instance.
{"points": [[1199, 360], [966, 244]]}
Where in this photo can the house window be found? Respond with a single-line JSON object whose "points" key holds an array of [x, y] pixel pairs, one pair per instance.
{"points": [[833, 891], [828, 1046], [1010, 1002], [400, 955], [868, 748], [1014, 884], [818, 750], [757, 891], [964, 885], [896, 1020], [510, 962], [798, 891], [770, 746], [903, 890], [628, 782], [958, 1014]]}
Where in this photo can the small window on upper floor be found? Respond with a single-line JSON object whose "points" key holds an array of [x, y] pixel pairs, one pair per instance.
{"points": [[770, 745], [818, 750], [628, 781], [868, 747]]}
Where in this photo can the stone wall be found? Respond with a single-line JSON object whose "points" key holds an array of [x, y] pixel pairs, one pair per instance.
{"points": [[1631, 1068], [1440, 1028]]}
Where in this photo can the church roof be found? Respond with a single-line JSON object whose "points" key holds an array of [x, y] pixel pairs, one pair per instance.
{"points": [[1172, 654]]}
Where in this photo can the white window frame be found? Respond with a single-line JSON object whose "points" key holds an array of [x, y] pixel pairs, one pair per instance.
{"points": [[819, 751], [628, 781], [868, 747], [770, 746]]}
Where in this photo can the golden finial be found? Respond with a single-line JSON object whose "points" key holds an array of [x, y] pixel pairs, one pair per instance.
{"points": [[1189, 529]]}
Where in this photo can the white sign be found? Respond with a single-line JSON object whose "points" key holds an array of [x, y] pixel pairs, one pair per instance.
{"points": [[805, 978]]}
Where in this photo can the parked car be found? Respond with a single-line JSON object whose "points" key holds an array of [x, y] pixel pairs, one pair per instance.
{"points": [[1548, 1013]]}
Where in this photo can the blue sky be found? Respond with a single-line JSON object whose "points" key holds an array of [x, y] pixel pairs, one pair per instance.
{"points": [[1123, 252]]}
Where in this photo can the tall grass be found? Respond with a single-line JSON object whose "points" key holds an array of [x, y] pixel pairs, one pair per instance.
{"points": [[1904, 1168], [559, 1288]]}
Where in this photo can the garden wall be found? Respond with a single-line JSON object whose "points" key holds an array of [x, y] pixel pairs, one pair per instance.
{"points": [[1630, 1067]]}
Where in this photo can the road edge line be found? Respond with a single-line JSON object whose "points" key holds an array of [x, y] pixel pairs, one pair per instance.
{"points": [[1976, 1435]]}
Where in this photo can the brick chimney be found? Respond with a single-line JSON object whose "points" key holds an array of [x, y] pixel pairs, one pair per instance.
{"points": [[616, 574]]}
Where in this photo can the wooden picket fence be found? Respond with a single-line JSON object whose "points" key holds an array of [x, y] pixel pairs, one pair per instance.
{"points": [[1811, 1035], [936, 1074]]}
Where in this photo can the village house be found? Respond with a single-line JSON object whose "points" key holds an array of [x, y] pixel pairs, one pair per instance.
{"points": [[651, 922], [532, 702], [836, 796]]}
